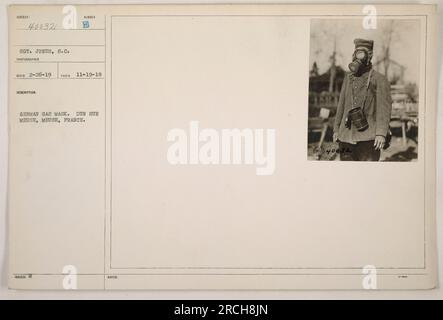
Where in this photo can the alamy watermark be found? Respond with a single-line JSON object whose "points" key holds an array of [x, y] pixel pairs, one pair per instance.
{"points": [[223, 147], [69, 277], [369, 281]]}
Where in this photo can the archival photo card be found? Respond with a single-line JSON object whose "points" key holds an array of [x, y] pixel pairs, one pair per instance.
{"points": [[226, 147]]}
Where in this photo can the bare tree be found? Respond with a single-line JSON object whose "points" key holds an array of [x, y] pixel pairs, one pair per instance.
{"points": [[323, 41], [333, 69], [386, 41]]}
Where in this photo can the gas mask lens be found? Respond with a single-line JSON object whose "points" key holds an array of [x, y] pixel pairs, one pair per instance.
{"points": [[361, 55]]}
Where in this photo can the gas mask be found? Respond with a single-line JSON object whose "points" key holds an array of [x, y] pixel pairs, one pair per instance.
{"points": [[360, 60]]}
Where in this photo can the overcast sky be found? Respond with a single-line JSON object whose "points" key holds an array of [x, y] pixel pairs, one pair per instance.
{"points": [[405, 44]]}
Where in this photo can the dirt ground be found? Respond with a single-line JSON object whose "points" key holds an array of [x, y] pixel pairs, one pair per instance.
{"points": [[396, 152]]}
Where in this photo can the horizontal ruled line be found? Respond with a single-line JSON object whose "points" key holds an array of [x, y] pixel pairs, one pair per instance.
{"points": [[59, 78], [67, 29], [59, 61], [59, 45]]}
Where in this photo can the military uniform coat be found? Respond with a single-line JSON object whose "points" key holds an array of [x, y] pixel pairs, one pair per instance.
{"points": [[377, 108]]}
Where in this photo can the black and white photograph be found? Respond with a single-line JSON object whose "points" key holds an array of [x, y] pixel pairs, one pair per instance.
{"points": [[364, 90]]}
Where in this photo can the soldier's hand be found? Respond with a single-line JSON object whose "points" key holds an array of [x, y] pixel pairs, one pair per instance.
{"points": [[335, 137], [379, 142]]}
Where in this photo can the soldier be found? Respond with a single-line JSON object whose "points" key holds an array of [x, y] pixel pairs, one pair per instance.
{"points": [[364, 109]]}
